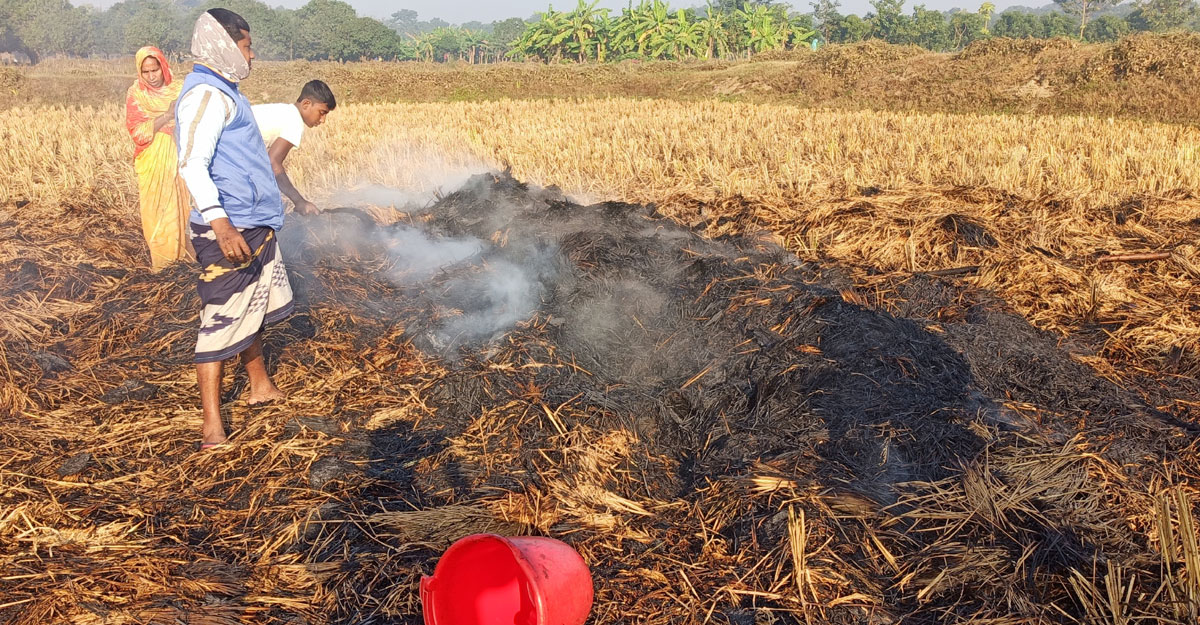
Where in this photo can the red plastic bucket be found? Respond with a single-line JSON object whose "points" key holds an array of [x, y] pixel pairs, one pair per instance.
{"points": [[491, 580]]}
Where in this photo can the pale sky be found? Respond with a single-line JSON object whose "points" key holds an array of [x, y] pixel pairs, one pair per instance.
{"points": [[458, 11]]}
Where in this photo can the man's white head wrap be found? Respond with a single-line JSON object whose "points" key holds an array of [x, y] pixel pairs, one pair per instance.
{"points": [[212, 46]]}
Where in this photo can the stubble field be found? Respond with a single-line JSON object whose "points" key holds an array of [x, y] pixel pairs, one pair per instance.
{"points": [[758, 363]]}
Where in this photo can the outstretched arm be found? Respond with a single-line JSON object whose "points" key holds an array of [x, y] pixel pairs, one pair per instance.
{"points": [[279, 150]]}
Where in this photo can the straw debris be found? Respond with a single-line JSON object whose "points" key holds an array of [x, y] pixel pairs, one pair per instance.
{"points": [[725, 430]]}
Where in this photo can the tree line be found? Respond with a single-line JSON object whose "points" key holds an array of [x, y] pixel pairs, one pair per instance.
{"points": [[647, 29]]}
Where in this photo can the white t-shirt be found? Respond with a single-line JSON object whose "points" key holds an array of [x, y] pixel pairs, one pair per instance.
{"points": [[279, 121]]}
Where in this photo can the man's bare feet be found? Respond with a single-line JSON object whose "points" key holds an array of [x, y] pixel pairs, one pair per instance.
{"points": [[208, 375], [268, 393], [262, 389], [210, 438]]}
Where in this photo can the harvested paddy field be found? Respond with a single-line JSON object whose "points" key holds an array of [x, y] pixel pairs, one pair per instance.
{"points": [[725, 432], [816, 374]]}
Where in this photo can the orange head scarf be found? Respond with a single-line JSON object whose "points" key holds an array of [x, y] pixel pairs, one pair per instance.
{"points": [[143, 103]]}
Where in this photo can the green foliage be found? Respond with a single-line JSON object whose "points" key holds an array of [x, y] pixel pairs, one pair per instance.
{"points": [[1018, 25], [652, 30], [850, 29], [931, 31], [506, 32], [1107, 28], [1164, 15], [649, 29], [889, 23], [57, 28], [48, 27], [1059, 25], [986, 10], [825, 12], [408, 22], [966, 27], [1084, 9], [714, 33], [127, 26]]}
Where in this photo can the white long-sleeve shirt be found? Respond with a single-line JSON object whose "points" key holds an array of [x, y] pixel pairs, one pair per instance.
{"points": [[201, 115]]}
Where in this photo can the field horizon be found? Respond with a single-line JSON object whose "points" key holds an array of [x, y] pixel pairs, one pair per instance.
{"points": [[1144, 77]]}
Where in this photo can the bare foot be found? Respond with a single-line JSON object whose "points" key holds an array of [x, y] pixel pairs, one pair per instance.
{"points": [[209, 439], [267, 393]]}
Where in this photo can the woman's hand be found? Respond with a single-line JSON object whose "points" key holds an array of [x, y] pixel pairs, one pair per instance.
{"points": [[165, 119]]}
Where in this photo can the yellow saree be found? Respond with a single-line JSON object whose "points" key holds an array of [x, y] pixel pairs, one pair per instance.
{"points": [[164, 198]]}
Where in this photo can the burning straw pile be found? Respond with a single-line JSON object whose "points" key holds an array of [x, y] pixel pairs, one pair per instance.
{"points": [[727, 433]]}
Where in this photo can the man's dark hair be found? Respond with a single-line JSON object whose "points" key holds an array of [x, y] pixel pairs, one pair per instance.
{"points": [[318, 91], [234, 24]]}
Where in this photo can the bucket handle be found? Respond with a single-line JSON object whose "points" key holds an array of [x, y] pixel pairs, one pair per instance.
{"points": [[427, 600]]}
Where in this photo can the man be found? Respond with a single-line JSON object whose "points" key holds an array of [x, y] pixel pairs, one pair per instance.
{"points": [[283, 127], [243, 284]]}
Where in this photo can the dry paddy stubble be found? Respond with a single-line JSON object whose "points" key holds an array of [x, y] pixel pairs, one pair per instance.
{"points": [[1047, 193], [868, 188], [648, 150]]}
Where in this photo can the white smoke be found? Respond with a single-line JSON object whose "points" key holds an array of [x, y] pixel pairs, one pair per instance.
{"points": [[416, 256], [406, 177], [473, 295], [501, 295]]}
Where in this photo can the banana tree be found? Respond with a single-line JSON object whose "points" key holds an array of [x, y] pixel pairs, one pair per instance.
{"points": [[582, 25], [604, 35], [798, 30], [765, 32], [544, 39], [473, 43], [681, 39], [645, 24], [422, 46], [714, 33]]}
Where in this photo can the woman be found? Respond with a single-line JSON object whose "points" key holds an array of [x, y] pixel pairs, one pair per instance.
{"points": [[150, 118]]}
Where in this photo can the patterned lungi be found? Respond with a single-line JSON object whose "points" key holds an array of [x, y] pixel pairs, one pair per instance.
{"points": [[239, 300]]}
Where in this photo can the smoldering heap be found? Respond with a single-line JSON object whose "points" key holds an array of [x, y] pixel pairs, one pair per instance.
{"points": [[724, 432]]}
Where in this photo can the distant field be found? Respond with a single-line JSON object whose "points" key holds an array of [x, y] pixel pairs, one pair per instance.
{"points": [[1147, 77]]}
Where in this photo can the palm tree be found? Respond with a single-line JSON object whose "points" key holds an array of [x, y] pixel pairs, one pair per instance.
{"points": [[986, 10]]}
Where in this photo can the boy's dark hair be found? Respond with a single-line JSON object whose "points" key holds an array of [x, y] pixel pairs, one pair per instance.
{"points": [[234, 24], [318, 91]]}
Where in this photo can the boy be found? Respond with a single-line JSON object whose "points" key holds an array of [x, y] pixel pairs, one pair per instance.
{"points": [[243, 284], [282, 127]]}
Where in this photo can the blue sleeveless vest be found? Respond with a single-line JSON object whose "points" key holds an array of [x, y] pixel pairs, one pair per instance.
{"points": [[240, 166]]}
